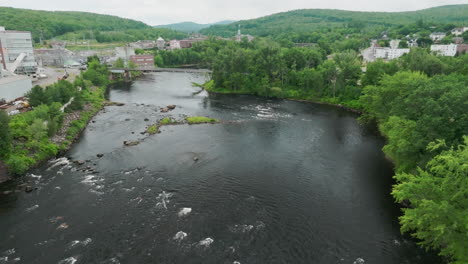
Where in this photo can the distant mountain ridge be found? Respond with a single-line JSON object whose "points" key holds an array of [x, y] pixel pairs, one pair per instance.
{"points": [[190, 27], [306, 20]]}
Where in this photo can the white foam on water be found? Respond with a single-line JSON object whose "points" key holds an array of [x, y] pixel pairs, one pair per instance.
{"points": [[163, 200], [359, 261], [96, 192], [138, 200], [206, 242], [236, 262], [38, 177], [34, 207], [113, 260], [59, 162], [70, 260], [180, 236], [9, 252], [184, 211], [89, 179], [128, 190], [60, 172], [241, 228], [259, 225], [74, 243], [117, 182], [5, 259]]}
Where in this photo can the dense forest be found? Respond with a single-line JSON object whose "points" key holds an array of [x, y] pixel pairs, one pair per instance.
{"points": [[311, 20], [49, 24], [128, 35], [419, 103]]}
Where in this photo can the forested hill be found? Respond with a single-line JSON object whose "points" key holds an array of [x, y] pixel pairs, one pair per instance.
{"points": [[190, 27], [306, 20], [55, 23]]}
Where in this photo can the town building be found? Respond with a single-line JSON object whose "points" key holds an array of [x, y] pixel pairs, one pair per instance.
{"points": [[462, 49], [375, 52], [394, 43], [174, 44], [185, 44], [459, 31], [52, 57], [16, 51], [143, 62], [239, 37], [124, 52], [458, 40], [160, 43], [389, 53], [143, 44], [303, 45], [445, 50], [437, 36]]}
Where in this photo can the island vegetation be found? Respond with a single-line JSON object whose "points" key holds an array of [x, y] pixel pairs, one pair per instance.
{"points": [[200, 120]]}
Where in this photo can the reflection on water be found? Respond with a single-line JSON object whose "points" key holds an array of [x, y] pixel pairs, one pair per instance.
{"points": [[276, 182]]}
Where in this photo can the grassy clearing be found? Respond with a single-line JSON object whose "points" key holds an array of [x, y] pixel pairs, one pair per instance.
{"points": [[167, 121], [153, 129], [201, 120]]}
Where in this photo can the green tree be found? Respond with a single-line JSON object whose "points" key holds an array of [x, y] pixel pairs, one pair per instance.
{"points": [[36, 96], [5, 134], [439, 198], [119, 63]]}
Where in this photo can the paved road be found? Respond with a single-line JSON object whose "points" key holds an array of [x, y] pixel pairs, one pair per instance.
{"points": [[55, 73]]}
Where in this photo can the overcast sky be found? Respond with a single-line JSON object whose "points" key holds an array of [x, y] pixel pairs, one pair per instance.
{"points": [[156, 12]]}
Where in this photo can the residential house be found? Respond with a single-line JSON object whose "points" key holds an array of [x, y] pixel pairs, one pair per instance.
{"points": [[437, 36], [458, 40], [459, 31]]}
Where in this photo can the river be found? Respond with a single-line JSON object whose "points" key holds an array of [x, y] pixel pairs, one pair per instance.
{"points": [[276, 181]]}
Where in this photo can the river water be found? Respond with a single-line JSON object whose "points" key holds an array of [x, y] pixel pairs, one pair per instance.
{"points": [[275, 182]]}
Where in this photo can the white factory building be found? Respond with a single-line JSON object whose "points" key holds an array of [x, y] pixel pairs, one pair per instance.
{"points": [[16, 51]]}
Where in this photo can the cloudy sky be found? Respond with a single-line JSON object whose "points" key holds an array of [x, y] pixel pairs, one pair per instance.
{"points": [[156, 12]]}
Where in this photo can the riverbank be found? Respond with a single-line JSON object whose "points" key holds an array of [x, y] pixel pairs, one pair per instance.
{"points": [[49, 129], [209, 88]]}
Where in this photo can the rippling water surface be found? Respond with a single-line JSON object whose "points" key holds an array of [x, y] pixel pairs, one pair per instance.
{"points": [[275, 182]]}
